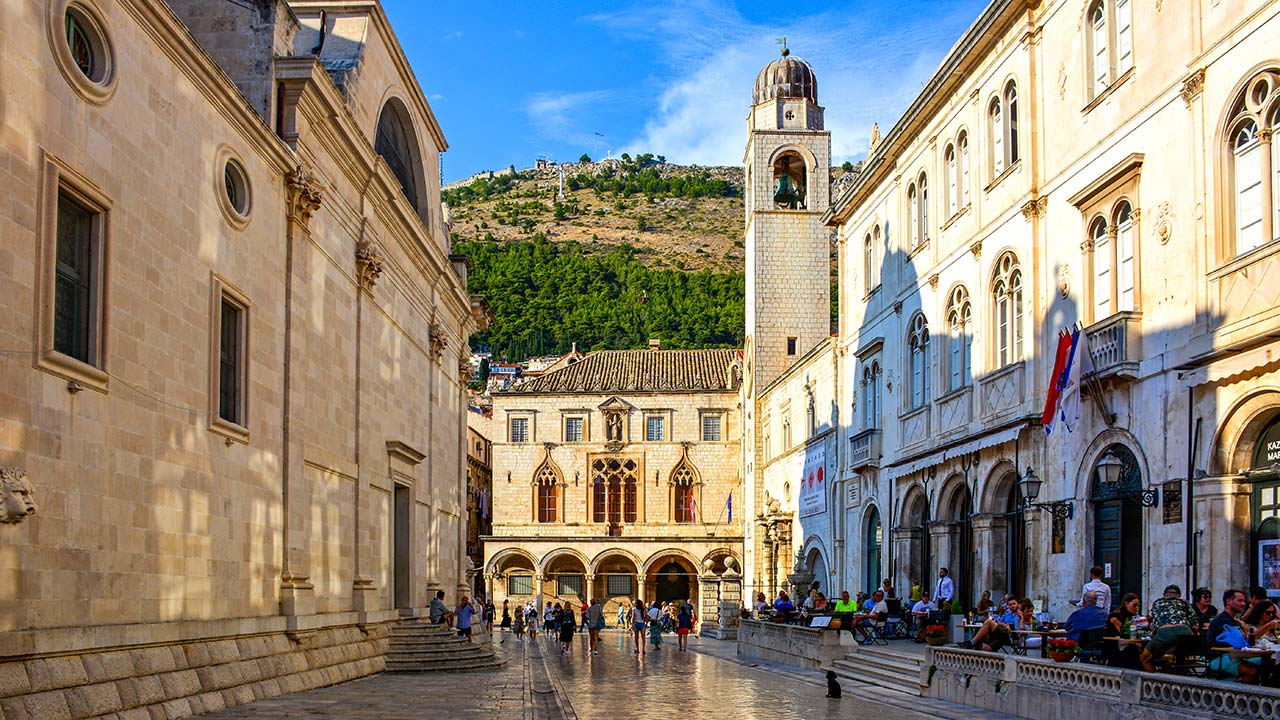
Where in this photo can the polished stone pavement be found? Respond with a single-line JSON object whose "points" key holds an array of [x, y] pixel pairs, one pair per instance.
{"points": [[540, 682]]}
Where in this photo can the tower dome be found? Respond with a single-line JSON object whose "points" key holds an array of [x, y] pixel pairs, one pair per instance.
{"points": [[786, 77]]}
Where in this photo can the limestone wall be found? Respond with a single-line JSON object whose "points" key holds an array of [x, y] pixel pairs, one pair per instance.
{"points": [[811, 648]]}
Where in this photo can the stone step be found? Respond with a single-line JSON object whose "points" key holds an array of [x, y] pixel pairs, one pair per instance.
{"points": [[414, 646], [422, 630], [883, 667], [469, 665], [433, 656]]}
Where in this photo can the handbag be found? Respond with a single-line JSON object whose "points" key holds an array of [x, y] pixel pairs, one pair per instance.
{"points": [[1232, 636]]}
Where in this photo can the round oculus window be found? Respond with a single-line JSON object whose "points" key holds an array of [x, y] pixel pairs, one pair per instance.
{"points": [[87, 45], [236, 185]]}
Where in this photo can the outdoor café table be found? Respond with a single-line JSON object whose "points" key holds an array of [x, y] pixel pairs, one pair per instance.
{"points": [[970, 629], [1044, 635]]}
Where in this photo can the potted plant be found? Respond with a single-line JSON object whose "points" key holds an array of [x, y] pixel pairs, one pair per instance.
{"points": [[1062, 649], [935, 635]]}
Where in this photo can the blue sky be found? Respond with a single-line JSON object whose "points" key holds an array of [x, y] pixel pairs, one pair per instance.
{"points": [[512, 81]]}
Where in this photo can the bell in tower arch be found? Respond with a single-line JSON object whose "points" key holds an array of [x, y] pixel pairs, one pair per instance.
{"points": [[790, 180]]}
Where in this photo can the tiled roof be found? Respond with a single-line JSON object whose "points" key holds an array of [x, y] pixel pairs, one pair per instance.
{"points": [[611, 371]]}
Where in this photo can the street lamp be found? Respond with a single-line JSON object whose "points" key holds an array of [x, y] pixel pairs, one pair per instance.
{"points": [[1030, 485], [1110, 469]]}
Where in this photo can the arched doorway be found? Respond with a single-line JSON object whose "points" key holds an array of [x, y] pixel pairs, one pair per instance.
{"points": [[817, 566], [872, 542], [1015, 561], [615, 579], [1117, 525], [912, 534], [955, 514], [1265, 474], [671, 577]]}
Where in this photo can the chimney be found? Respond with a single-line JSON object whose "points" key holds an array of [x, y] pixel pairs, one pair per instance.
{"points": [[655, 344]]}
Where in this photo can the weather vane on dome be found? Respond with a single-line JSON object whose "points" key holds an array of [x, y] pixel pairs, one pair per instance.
{"points": [[783, 42]]}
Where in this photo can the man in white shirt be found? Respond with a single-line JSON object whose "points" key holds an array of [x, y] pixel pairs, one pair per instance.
{"points": [[1098, 588], [920, 614], [945, 590]]}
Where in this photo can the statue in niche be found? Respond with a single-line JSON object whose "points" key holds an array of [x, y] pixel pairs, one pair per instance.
{"points": [[15, 496], [613, 427], [790, 182]]}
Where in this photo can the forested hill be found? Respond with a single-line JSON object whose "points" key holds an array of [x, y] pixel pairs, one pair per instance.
{"points": [[548, 295]]}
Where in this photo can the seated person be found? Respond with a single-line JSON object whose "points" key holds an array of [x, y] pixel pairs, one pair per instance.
{"points": [[438, 612], [984, 603], [783, 606], [1027, 621], [1115, 654], [994, 633], [1088, 617], [920, 613], [1248, 670], [820, 604], [1171, 618]]}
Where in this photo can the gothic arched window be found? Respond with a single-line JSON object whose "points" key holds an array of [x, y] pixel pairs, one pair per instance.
{"points": [[871, 395], [684, 479], [614, 493], [922, 234], [1006, 294], [547, 482], [918, 341], [1251, 167], [960, 338]]}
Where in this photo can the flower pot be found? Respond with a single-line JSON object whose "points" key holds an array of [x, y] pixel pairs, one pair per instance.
{"points": [[1062, 656], [936, 641]]}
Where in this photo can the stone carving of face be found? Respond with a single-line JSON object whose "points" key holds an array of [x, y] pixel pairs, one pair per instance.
{"points": [[16, 502]]}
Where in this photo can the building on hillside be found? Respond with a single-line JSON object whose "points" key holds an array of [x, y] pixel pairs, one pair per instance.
{"points": [[232, 334], [550, 363], [1101, 165], [613, 478]]}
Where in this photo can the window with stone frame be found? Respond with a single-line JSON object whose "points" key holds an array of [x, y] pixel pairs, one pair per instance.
{"points": [[1250, 200], [614, 491], [1006, 296], [232, 358], [918, 342], [951, 169], [570, 585], [684, 480], [871, 382], [959, 339], [518, 429], [72, 316], [1110, 247], [962, 142], [1109, 43], [520, 584], [711, 426], [617, 585], [547, 482], [574, 428], [655, 428], [1002, 118]]}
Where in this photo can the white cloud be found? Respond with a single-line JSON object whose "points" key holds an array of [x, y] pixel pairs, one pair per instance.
{"points": [[455, 35], [869, 69]]}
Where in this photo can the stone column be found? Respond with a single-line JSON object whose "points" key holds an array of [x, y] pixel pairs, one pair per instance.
{"points": [[540, 580], [730, 603], [589, 588], [709, 604], [985, 555], [640, 588], [1222, 526]]}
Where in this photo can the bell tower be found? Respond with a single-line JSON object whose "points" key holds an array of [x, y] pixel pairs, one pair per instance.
{"points": [[788, 277]]}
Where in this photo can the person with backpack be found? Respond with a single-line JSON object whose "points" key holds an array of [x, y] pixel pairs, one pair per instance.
{"points": [[593, 618], [531, 620], [567, 628], [655, 626], [517, 624]]}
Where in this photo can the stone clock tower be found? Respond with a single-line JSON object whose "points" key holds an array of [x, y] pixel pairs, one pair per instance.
{"points": [[788, 161], [788, 313]]}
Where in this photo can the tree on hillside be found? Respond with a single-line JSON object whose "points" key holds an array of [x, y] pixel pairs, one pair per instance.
{"points": [[585, 158]]}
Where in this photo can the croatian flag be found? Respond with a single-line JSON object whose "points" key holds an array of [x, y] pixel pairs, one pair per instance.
{"points": [[1063, 402], [1051, 399]]}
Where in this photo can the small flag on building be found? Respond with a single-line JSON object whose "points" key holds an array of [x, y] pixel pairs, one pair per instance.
{"points": [[729, 504], [1055, 391]]}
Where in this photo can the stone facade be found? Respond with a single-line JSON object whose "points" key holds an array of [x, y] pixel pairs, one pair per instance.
{"points": [[1032, 188], [568, 433], [246, 447]]}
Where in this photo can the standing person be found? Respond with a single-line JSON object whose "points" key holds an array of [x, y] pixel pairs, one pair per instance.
{"points": [[1100, 589], [638, 621], [548, 618], [567, 628], [917, 590], [944, 591], [582, 611], [655, 625], [517, 625], [624, 611], [888, 589], [489, 611], [593, 619], [465, 612], [506, 614], [684, 626], [531, 619]]}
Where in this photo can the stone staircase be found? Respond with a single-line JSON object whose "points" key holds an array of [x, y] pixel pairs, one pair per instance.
{"points": [[881, 666], [421, 647]]}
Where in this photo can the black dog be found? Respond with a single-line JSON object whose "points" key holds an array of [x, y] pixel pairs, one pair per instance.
{"points": [[833, 687]]}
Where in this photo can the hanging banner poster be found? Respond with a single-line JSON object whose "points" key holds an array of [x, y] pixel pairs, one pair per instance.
{"points": [[1269, 566], [813, 484]]}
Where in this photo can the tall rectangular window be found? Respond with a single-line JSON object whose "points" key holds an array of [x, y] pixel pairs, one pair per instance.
{"points": [[1124, 36], [74, 291], [710, 428], [655, 428], [231, 362], [519, 430], [573, 429], [791, 346]]}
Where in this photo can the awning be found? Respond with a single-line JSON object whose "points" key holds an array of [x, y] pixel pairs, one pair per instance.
{"points": [[937, 458]]}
